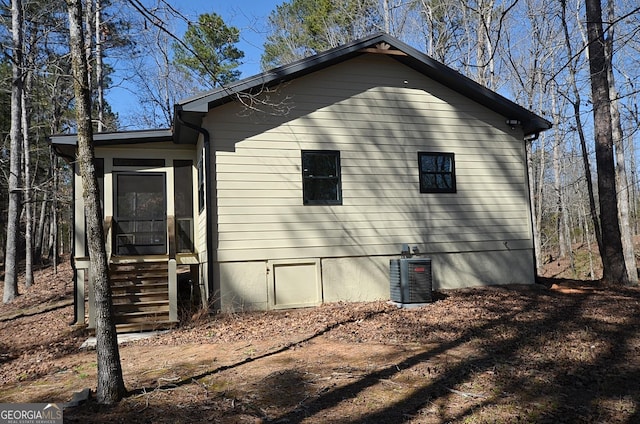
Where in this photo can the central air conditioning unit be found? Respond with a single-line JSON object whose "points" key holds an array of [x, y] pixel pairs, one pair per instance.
{"points": [[410, 280]]}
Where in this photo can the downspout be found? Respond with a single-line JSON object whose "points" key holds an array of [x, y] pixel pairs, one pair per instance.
{"points": [[207, 197]]}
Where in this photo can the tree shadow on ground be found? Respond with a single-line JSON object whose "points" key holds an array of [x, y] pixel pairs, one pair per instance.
{"points": [[288, 346], [590, 376], [574, 393]]}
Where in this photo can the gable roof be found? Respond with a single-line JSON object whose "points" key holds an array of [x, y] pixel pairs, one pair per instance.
{"points": [[189, 112]]}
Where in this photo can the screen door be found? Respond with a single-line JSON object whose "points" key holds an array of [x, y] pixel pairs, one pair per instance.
{"points": [[141, 214]]}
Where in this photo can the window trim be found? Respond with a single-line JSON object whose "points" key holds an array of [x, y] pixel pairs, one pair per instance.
{"points": [[338, 178], [452, 173], [201, 194], [183, 206]]}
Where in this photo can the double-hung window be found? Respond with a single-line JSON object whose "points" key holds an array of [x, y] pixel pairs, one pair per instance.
{"points": [[321, 183], [437, 172]]}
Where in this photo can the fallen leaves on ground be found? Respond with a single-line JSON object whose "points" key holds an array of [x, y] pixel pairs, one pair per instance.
{"points": [[543, 353]]}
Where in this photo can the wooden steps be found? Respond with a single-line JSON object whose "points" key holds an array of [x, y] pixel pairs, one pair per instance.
{"points": [[140, 292]]}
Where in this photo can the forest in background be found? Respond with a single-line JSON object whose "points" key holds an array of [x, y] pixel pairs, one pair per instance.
{"points": [[535, 52]]}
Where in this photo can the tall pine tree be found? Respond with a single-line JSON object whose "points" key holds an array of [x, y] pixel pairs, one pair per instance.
{"points": [[209, 51]]}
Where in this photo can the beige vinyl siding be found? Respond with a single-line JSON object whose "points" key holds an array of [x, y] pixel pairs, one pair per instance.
{"points": [[201, 232], [378, 114], [78, 213]]}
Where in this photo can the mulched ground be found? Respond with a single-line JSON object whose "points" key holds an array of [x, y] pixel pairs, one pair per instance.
{"points": [[559, 352]]}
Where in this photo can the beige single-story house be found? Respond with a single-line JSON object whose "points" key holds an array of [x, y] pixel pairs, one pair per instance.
{"points": [[298, 186]]}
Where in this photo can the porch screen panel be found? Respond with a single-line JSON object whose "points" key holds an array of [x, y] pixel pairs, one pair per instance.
{"points": [[183, 199], [141, 227]]}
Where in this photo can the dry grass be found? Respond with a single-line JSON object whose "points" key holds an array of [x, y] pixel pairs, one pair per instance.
{"points": [[570, 353]]}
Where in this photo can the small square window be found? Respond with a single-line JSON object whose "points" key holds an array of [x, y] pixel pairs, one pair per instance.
{"points": [[321, 177], [437, 172]]}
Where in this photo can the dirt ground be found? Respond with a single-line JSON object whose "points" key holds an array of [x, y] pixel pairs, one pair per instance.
{"points": [[562, 351]]}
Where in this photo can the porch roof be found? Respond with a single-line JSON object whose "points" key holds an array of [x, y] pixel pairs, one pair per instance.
{"points": [[65, 144]]}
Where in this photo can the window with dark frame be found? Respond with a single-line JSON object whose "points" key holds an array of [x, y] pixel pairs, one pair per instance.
{"points": [[321, 181], [437, 172]]}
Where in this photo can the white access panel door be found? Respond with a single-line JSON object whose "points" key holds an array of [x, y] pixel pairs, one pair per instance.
{"points": [[294, 283]]}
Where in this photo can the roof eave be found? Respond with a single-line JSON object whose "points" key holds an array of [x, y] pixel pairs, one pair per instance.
{"points": [[65, 144], [199, 105], [205, 101]]}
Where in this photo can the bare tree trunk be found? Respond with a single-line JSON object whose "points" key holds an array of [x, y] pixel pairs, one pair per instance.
{"points": [[26, 154], [430, 30], [89, 22], [587, 234], [28, 207], [623, 191], [621, 169], [633, 179], [557, 179], [567, 231], [99, 70], [484, 55], [110, 387], [13, 215], [531, 85], [633, 196], [490, 63], [613, 265], [577, 114], [54, 224], [51, 237], [39, 238], [386, 17]]}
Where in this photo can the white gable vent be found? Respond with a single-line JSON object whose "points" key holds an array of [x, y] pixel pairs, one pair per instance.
{"points": [[410, 280]]}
